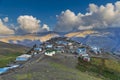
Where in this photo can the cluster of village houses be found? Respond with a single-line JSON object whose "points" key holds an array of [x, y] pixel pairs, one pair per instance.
{"points": [[52, 47], [65, 45]]}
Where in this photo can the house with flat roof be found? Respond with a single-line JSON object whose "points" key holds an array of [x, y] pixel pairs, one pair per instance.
{"points": [[96, 49], [50, 52], [86, 58], [23, 57], [38, 49], [81, 50], [49, 46], [62, 43], [4, 70]]}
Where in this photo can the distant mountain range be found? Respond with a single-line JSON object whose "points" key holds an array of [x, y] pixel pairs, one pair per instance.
{"points": [[108, 39]]}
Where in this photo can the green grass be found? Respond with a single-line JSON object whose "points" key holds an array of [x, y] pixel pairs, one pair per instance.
{"points": [[109, 69], [7, 58], [56, 72], [77, 74], [23, 76]]}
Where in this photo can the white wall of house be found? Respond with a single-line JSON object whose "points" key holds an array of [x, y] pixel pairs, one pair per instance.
{"points": [[50, 53]]}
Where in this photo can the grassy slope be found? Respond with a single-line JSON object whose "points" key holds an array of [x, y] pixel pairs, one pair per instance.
{"points": [[11, 48], [5, 59], [57, 72], [50, 68], [8, 52], [108, 68]]}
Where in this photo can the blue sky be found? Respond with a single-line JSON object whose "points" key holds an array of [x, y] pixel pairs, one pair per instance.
{"points": [[30, 16], [45, 10]]}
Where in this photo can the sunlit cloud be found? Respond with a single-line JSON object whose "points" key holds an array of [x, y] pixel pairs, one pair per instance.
{"points": [[97, 17]]}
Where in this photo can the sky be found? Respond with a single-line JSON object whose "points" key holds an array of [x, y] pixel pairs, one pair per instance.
{"points": [[45, 15]]}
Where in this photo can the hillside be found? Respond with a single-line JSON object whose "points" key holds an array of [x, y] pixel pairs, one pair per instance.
{"points": [[58, 67], [8, 52], [11, 48], [66, 63]]}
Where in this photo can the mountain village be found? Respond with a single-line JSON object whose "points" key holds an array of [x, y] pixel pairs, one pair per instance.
{"points": [[58, 45]]}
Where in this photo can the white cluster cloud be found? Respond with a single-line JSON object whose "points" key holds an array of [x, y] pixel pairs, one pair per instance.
{"points": [[45, 28], [103, 16], [66, 21], [97, 17], [4, 29], [6, 19], [29, 24]]}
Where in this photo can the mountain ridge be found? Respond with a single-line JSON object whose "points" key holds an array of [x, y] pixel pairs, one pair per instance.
{"points": [[108, 38]]}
